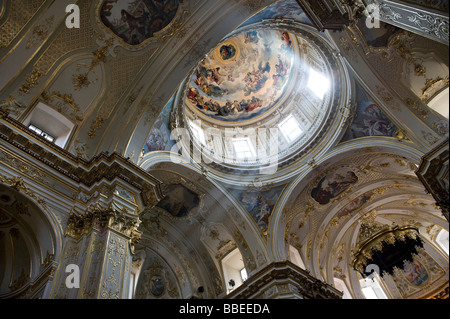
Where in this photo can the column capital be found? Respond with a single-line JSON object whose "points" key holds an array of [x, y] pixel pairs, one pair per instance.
{"points": [[100, 220]]}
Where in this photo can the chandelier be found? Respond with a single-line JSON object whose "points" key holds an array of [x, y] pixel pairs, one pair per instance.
{"points": [[386, 250]]}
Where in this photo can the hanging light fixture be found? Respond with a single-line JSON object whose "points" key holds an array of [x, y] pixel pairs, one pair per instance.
{"points": [[386, 250]]}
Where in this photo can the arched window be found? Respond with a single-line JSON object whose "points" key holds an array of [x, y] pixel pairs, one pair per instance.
{"points": [[28, 244], [50, 124], [440, 103], [340, 285], [442, 240], [234, 270], [371, 287]]}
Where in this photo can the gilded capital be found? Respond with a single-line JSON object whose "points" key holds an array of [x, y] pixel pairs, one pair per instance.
{"points": [[102, 220]]}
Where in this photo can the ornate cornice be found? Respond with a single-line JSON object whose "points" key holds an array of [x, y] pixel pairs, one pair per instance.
{"points": [[280, 279], [87, 172], [423, 21]]}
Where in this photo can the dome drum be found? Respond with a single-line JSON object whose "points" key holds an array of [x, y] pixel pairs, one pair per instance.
{"points": [[239, 118]]}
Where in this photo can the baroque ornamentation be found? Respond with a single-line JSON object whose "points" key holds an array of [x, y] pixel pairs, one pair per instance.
{"points": [[96, 124], [19, 185], [64, 100], [432, 25], [31, 80], [40, 32], [10, 105], [387, 98], [18, 16], [374, 246], [416, 107], [81, 80], [433, 86], [101, 220], [23, 167]]}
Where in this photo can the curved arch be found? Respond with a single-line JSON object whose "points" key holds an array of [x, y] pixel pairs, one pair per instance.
{"points": [[166, 259], [224, 210], [342, 151], [34, 237]]}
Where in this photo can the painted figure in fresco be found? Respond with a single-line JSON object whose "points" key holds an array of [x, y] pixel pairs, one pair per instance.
{"points": [[332, 185], [355, 204], [280, 75], [212, 75], [209, 80], [251, 36], [376, 123], [178, 200], [263, 212], [159, 137], [255, 80], [227, 52], [108, 5], [369, 121], [137, 24], [136, 21], [287, 39], [259, 207], [415, 272], [241, 87]]}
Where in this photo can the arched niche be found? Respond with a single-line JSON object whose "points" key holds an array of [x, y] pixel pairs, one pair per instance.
{"points": [[218, 205], [29, 245]]}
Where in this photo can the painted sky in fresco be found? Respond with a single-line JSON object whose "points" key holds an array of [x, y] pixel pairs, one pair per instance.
{"points": [[243, 76]]}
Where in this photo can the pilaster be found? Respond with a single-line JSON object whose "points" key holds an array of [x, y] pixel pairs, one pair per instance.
{"points": [[100, 243]]}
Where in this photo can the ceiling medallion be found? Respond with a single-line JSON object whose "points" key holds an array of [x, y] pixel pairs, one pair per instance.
{"points": [[387, 249], [137, 23]]}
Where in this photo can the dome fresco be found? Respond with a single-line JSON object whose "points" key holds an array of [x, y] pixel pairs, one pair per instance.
{"points": [[243, 77], [260, 99]]}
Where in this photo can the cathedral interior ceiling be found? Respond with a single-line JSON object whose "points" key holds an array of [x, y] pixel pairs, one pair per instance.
{"points": [[118, 80]]}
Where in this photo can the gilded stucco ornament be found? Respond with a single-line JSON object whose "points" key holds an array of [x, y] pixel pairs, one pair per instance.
{"points": [[10, 106], [32, 79], [101, 220], [19, 185], [64, 103], [40, 32]]}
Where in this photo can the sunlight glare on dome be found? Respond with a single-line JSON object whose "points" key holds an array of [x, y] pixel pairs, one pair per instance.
{"points": [[318, 83]]}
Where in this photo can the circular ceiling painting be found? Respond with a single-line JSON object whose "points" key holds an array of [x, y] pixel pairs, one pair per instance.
{"points": [[243, 77], [136, 21]]}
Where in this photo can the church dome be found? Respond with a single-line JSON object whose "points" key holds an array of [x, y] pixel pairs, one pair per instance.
{"points": [[261, 99], [243, 77]]}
